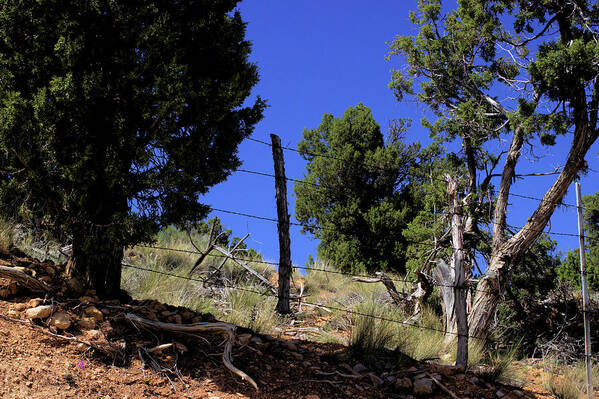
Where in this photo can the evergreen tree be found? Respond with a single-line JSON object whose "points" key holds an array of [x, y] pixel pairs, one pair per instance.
{"points": [[115, 116], [484, 70], [569, 269], [354, 196]]}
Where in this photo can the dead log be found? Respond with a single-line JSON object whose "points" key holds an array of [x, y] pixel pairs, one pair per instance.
{"points": [[194, 329], [247, 268], [18, 274], [410, 303]]}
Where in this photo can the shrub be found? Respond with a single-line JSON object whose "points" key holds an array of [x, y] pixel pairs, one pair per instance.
{"points": [[373, 331]]}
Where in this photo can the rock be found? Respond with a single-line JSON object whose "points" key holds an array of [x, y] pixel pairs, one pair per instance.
{"points": [[20, 306], [474, 380], [390, 380], [256, 340], [290, 345], [423, 386], [499, 394], [518, 393], [403, 383], [412, 370], [94, 334], [39, 312], [298, 356], [94, 312], [359, 368], [87, 322], [420, 376], [311, 397], [244, 339], [60, 320], [34, 302], [375, 379], [88, 299], [14, 314]]}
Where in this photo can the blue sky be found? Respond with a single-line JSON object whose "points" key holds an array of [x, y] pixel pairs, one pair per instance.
{"points": [[316, 57]]}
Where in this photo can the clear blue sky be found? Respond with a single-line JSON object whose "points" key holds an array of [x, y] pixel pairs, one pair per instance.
{"points": [[316, 57]]}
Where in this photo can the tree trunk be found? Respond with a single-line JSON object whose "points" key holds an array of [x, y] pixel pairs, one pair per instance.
{"points": [[504, 251], [96, 261]]}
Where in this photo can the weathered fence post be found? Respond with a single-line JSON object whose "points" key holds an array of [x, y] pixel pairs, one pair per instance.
{"points": [[585, 296], [457, 230], [283, 225]]}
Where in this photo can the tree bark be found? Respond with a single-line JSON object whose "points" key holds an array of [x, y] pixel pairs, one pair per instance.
{"points": [[505, 252], [285, 267], [96, 261]]}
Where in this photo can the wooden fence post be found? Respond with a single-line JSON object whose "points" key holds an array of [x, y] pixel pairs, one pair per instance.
{"points": [[283, 226], [459, 287], [585, 296]]}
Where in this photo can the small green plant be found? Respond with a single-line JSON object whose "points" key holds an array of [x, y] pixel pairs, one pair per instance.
{"points": [[252, 310], [6, 236], [500, 365], [373, 329], [423, 340], [328, 337]]}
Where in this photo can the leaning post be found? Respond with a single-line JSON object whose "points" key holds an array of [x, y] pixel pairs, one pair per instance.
{"points": [[285, 267], [585, 296]]}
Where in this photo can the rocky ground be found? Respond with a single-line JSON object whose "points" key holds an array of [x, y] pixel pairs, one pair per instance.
{"points": [[69, 344]]}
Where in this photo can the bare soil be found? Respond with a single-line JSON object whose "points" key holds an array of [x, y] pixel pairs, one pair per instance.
{"points": [[102, 358]]}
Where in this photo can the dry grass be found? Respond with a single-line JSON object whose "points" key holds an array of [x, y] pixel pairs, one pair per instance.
{"points": [[566, 381]]}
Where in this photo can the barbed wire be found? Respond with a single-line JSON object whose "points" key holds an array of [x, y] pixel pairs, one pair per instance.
{"points": [[307, 268], [349, 311], [388, 170]]}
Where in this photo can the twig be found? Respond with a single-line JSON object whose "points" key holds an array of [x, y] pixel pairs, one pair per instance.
{"points": [[443, 387]]}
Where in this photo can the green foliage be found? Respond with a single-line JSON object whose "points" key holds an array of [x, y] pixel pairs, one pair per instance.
{"points": [[500, 365], [361, 203], [373, 329], [569, 270], [533, 278], [116, 116], [252, 310]]}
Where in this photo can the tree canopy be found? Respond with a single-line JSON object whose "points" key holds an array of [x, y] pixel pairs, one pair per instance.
{"points": [[569, 269], [504, 70], [115, 116], [354, 196]]}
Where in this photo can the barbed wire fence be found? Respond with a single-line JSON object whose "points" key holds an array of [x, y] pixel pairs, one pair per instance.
{"points": [[423, 244]]}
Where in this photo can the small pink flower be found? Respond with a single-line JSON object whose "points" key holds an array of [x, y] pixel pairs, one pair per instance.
{"points": [[81, 365]]}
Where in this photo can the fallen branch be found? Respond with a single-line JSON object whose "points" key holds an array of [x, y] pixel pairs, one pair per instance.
{"points": [[18, 274], [192, 329], [443, 387], [247, 268], [340, 374]]}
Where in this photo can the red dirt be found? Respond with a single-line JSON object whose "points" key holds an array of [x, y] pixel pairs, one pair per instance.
{"points": [[34, 364]]}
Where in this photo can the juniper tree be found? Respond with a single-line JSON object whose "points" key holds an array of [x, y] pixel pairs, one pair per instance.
{"points": [[542, 54], [115, 116], [355, 195]]}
